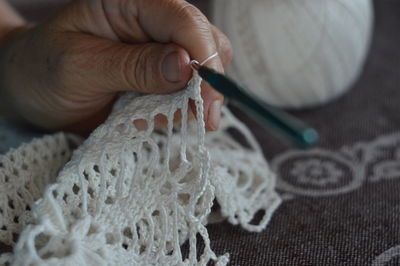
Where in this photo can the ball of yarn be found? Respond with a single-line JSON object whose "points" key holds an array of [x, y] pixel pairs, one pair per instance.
{"points": [[296, 53]]}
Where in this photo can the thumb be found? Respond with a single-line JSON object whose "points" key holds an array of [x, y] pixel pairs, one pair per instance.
{"points": [[144, 68], [156, 68]]}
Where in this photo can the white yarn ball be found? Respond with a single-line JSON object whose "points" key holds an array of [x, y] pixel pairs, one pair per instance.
{"points": [[296, 53]]}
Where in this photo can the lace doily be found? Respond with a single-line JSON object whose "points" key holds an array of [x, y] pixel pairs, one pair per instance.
{"points": [[130, 196]]}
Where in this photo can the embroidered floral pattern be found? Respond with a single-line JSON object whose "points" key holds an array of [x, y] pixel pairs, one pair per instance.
{"points": [[316, 172], [319, 172]]}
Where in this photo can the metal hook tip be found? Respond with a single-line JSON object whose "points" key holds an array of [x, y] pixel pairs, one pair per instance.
{"points": [[195, 65]]}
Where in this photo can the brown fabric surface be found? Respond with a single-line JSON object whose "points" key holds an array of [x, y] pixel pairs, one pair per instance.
{"points": [[349, 228]]}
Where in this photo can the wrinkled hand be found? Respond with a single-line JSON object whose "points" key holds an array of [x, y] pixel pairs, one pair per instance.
{"points": [[66, 72]]}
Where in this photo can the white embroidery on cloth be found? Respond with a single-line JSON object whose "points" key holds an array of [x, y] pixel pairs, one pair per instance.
{"points": [[388, 257], [319, 172], [133, 197]]}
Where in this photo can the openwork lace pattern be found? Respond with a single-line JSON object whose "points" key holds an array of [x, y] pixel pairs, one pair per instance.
{"points": [[132, 196]]}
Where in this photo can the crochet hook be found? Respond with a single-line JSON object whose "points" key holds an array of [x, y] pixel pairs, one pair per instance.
{"points": [[288, 126]]}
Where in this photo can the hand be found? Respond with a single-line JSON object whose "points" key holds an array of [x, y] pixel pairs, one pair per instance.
{"points": [[67, 72]]}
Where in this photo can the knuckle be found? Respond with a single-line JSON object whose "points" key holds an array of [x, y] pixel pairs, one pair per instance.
{"points": [[227, 49], [139, 70], [192, 14], [224, 46], [131, 69]]}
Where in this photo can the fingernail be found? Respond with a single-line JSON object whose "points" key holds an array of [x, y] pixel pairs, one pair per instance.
{"points": [[171, 67], [214, 114]]}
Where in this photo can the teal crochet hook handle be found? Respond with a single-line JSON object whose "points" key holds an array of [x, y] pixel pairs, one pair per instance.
{"points": [[293, 129]]}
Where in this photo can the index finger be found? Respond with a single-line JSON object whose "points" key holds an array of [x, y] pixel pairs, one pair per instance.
{"points": [[182, 23], [179, 22]]}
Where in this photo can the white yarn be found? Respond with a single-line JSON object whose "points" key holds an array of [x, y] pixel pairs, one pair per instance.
{"points": [[296, 53], [24, 174], [133, 197]]}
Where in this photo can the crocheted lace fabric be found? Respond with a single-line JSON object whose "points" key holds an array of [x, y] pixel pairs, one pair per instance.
{"points": [[133, 197]]}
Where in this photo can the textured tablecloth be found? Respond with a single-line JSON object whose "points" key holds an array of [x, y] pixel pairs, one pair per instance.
{"points": [[342, 199]]}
